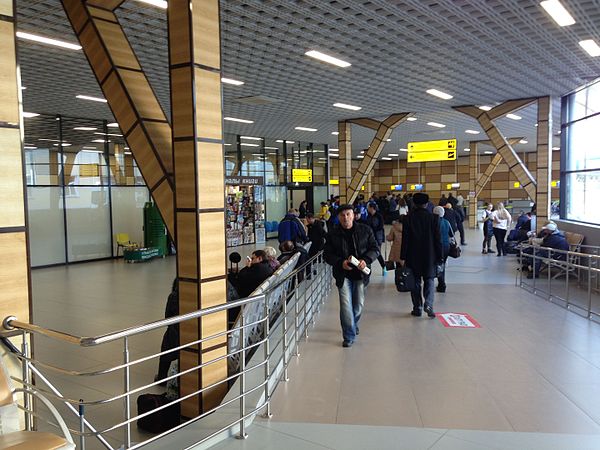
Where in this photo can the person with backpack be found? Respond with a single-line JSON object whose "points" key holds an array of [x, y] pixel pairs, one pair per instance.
{"points": [[445, 235], [291, 229]]}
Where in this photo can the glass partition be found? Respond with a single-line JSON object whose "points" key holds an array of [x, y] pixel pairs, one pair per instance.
{"points": [[46, 225]]}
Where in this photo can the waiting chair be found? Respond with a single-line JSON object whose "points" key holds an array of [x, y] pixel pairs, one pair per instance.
{"points": [[23, 440], [124, 242], [575, 241]]}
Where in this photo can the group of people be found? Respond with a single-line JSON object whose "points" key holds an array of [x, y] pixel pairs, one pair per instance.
{"points": [[420, 241]]}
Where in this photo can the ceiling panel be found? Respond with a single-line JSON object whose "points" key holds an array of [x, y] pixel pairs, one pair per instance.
{"points": [[481, 52]]}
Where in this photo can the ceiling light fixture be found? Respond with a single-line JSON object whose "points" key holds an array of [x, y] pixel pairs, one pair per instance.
{"points": [[487, 152], [403, 149], [245, 144], [326, 58], [99, 140], [93, 99], [435, 124], [29, 115], [393, 154], [305, 129], [346, 106], [271, 148], [471, 131], [466, 149], [335, 133], [590, 46], [233, 119], [252, 138], [360, 156], [29, 147], [50, 140], [64, 144], [386, 159], [439, 94], [523, 141], [485, 108], [127, 153], [159, 3], [513, 117], [86, 129], [231, 81], [91, 151], [558, 12], [113, 125], [555, 148], [411, 119], [49, 41], [23, 88], [108, 134]]}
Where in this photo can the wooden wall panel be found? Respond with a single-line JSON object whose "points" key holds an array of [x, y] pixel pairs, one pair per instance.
{"points": [[8, 76], [210, 171], [212, 245], [209, 122], [11, 174]]}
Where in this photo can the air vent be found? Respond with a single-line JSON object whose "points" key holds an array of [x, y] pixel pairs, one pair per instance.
{"points": [[257, 100]]}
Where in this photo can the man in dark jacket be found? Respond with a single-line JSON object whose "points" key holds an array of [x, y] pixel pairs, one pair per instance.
{"points": [[550, 237], [256, 271], [375, 221], [460, 218], [346, 240], [316, 234], [451, 216], [422, 252], [291, 229]]}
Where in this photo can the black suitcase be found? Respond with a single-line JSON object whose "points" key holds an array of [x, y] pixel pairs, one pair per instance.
{"points": [[160, 421]]}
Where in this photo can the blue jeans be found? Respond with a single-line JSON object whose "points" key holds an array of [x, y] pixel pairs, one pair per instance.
{"points": [[417, 299], [352, 300]]}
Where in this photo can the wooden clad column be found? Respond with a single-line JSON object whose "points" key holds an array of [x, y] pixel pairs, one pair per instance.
{"points": [[195, 70], [129, 95], [14, 263], [345, 159], [473, 176], [544, 161]]}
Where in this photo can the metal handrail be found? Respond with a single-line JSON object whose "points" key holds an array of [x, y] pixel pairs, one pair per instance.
{"points": [[11, 322], [289, 326]]}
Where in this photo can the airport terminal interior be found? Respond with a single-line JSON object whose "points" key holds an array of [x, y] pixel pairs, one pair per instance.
{"points": [[150, 150]]}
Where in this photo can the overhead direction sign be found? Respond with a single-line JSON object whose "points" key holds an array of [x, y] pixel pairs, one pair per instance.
{"points": [[441, 150], [301, 175], [437, 155]]}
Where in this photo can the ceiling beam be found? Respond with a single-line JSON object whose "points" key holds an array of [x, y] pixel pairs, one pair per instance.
{"points": [[130, 98]]}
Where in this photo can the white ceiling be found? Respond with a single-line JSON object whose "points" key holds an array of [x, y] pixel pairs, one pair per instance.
{"points": [[480, 51]]}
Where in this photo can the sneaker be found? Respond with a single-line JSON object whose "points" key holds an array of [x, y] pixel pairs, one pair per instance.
{"points": [[347, 344], [357, 331], [484, 252], [429, 311], [441, 289], [499, 254], [416, 312], [463, 243], [491, 251]]}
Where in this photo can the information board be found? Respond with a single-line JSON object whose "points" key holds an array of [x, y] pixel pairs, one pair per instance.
{"points": [[302, 175], [440, 150]]}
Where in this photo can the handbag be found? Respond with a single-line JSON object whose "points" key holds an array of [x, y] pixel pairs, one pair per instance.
{"points": [[454, 251], [405, 279]]}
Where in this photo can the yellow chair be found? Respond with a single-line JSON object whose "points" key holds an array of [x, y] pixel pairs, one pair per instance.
{"points": [[124, 242], [34, 440]]}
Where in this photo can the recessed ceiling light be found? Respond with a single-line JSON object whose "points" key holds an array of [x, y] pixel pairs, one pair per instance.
{"points": [[29, 147], [536, 125], [513, 117], [590, 46], [466, 149], [245, 144], [388, 140], [555, 148], [93, 99], [227, 145], [360, 156], [28, 115], [333, 155], [271, 148], [126, 148], [435, 124], [256, 154], [85, 129], [393, 154], [523, 141], [91, 151], [386, 159], [99, 140], [487, 152], [411, 119], [251, 138], [113, 125], [108, 134], [64, 144], [471, 131], [439, 94], [305, 129], [485, 108], [335, 133], [49, 41], [328, 59], [233, 119], [403, 149], [127, 153], [558, 12], [345, 106], [50, 140], [23, 88], [231, 81], [90, 148], [160, 3]]}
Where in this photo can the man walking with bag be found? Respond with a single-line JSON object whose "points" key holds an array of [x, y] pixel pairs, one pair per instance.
{"points": [[350, 249], [422, 252]]}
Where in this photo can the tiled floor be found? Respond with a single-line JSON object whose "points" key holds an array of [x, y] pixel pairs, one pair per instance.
{"points": [[531, 367]]}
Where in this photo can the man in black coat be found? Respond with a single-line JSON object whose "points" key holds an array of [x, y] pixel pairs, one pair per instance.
{"points": [[422, 252], [344, 241], [316, 234], [451, 216]]}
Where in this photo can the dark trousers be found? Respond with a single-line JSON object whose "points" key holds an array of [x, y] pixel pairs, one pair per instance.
{"points": [[487, 239], [442, 275], [417, 298], [461, 230], [500, 234]]}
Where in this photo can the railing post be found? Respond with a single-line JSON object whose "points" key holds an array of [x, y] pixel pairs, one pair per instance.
{"points": [[82, 424], [242, 434], [549, 264], [284, 345], [296, 323], [126, 385], [27, 379], [589, 315], [267, 414], [534, 264]]}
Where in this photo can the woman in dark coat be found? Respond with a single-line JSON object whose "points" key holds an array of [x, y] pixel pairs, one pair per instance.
{"points": [[375, 221]]}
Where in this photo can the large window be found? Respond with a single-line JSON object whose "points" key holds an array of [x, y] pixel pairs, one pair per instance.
{"points": [[580, 176]]}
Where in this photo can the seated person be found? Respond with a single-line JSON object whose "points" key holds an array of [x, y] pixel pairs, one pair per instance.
{"points": [[316, 234], [522, 227], [549, 237], [272, 256], [288, 249], [170, 339]]}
